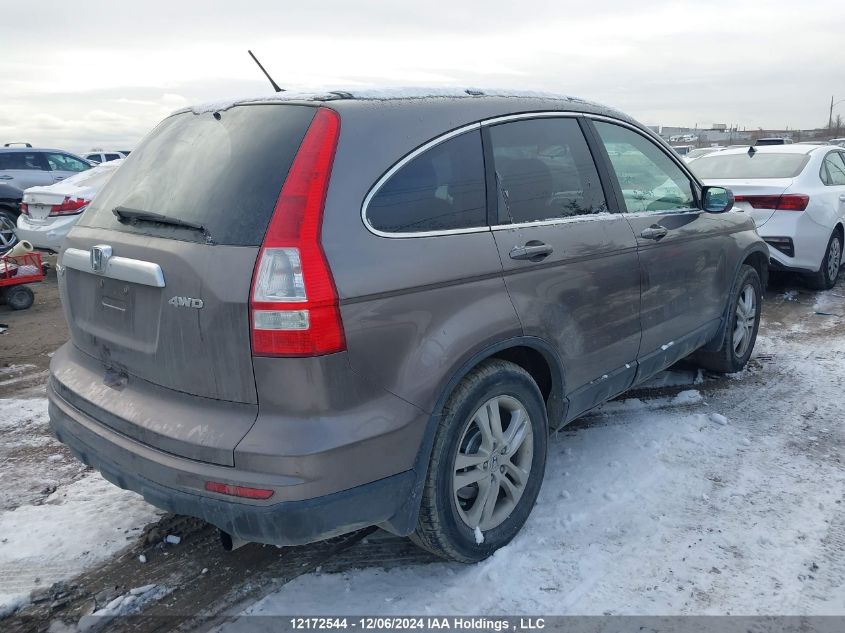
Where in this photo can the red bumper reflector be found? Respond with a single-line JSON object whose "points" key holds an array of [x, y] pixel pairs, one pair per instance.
{"points": [[238, 491]]}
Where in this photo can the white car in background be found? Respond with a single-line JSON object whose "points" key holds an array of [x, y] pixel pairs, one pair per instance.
{"points": [[98, 156], [49, 212], [796, 195], [699, 152]]}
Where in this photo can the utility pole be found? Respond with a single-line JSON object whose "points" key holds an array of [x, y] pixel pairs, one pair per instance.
{"points": [[830, 118]]}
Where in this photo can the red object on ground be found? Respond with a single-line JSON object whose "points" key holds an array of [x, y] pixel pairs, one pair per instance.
{"points": [[21, 269]]}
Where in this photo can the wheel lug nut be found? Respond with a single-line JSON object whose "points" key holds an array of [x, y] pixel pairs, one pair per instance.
{"points": [[502, 469], [486, 465]]}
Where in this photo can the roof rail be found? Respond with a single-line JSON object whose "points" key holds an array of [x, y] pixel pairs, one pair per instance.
{"points": [[17, 143]]}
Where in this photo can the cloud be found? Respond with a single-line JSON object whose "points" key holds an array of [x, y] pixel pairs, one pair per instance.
{"points": [[127, 66]]}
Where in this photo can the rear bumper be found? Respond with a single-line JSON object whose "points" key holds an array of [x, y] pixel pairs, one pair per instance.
{"points": [[45, 236], [170, 482], [809, 240]]}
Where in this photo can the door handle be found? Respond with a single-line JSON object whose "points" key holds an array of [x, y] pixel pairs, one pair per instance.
{"points": [[533, 251], [59, 177], [654, 232], [842, 197], [4, 177]]}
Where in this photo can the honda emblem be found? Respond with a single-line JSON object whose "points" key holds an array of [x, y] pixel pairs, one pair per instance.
{"points": [[100, 256]]}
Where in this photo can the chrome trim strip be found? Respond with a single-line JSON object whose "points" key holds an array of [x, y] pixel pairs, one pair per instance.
{"points": [[596, 217], [562, 114], [121, 268]]}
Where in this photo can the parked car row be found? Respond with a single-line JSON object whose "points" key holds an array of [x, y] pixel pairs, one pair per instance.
{"points": [[30, 176]]}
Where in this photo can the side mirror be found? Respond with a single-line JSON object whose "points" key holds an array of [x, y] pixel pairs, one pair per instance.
{"points": [[717, 199]]}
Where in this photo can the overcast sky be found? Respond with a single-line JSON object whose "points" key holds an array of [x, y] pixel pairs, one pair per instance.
{"points": [[101, 73]]}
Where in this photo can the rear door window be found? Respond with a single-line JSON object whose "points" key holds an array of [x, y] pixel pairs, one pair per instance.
{"points": [[442, 189], [649, 179], [544, 171], [223, 174]]}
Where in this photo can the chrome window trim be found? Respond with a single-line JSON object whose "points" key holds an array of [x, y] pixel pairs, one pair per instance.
{"points": [[477, 126], [592, 217], [531, 115], [121, 268]]}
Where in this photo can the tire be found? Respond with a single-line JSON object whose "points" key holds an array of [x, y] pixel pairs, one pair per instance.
{"points": [[826, 276], [739, 338], [448, 517], [8, 222], [19, 297]]}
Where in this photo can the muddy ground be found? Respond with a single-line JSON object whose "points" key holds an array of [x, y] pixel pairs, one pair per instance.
{"points": [[215, 583], [31, 337]]}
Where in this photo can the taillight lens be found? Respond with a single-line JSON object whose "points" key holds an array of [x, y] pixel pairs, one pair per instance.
{"points": [[793, 202], [24, 208], [786, 202], [293, 302]]}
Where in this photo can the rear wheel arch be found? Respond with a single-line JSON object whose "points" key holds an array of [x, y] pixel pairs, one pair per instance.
{"points": [[759, 261], [535, 356]]}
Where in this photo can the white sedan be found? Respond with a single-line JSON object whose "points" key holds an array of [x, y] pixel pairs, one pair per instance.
{"points": [[49, 212], [796, 195]]}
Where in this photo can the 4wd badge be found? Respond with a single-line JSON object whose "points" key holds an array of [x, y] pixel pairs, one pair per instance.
{"points": [[185, 302]]}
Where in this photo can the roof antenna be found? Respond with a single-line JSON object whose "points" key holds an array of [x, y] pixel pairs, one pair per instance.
{"points": [[273, 83]]}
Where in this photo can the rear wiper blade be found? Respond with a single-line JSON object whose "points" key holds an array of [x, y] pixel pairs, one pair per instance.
{"points": [[125, 214]]}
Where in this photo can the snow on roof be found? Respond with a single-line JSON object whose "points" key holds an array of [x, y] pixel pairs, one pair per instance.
{"points": [[381, 94]]}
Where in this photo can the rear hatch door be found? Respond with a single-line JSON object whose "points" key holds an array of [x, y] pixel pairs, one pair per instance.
{"points": [[159, 291]]}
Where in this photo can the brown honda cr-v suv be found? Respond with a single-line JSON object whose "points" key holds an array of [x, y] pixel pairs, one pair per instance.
{"points": [[300, 316]]}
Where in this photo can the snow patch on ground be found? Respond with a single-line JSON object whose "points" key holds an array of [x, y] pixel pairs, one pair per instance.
{"points": [[75, 525], [654, 507]]}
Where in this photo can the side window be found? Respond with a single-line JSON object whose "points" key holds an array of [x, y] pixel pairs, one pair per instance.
{"points": [[544, 170], [95, 157], [112, 157], [833, 171], [21, 160], [650, 180], [63, 162], [441, 189]]}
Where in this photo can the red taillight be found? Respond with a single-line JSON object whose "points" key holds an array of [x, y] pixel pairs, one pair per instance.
{"points": [[24, 208], [69, 206], [786, 202], [238, 491], [293, 302], [793, 202]]}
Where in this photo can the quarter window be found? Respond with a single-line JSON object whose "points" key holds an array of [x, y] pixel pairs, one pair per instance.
{"points": [[650, 180], [63, 162], [21, 160], [833, 171], [544, 171], [441, 189]]}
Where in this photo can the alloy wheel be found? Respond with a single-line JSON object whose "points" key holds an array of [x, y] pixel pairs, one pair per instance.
{"points": [[493, 462], [834, 257], [7, 233], [746, 315]]}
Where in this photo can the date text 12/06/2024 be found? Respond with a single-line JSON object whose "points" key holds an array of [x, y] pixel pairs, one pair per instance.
{"points": [[417, 623]]}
